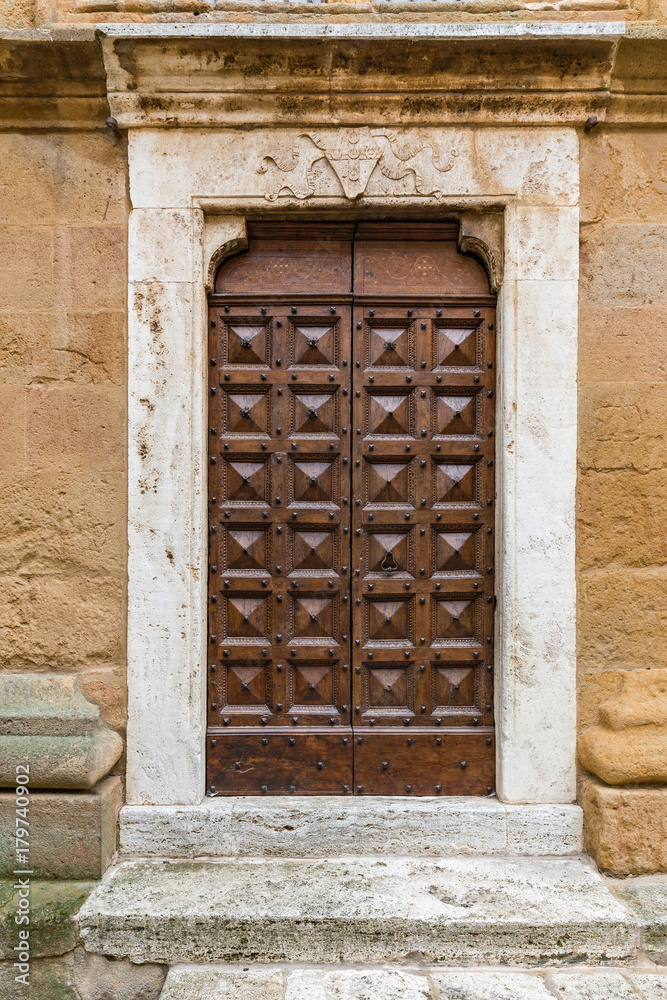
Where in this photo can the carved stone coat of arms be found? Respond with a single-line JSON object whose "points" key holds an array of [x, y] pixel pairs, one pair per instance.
{"points": [[353, 154]]}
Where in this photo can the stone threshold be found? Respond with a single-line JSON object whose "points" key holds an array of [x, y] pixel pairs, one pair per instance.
{"points": [[453, 911], [326, 827], [219, 982]]}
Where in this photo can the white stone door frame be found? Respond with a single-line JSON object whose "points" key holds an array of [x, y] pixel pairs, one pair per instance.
{"points": [[191, 191]]}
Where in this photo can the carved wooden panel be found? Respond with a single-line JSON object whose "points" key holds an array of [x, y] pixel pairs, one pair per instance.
{"points": [[423, 525], [279, 502], [351, 500]]}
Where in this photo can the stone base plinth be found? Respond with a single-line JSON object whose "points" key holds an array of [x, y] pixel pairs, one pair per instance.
{"points": [[72, 834], [625, 829]]}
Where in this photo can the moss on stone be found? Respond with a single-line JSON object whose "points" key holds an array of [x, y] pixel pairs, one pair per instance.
{"points": [[53, 907]]}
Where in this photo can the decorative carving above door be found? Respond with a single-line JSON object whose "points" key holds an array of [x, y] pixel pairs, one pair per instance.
{"points": [[353, 154]]}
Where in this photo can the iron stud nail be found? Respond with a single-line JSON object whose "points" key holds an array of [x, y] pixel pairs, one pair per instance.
{"points": [[360, 788], [438, 741], [438, 788], [320, 765], [463, 764]]}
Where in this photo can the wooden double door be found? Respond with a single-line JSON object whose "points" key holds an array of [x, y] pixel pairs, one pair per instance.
{"points": [[351, 514]]}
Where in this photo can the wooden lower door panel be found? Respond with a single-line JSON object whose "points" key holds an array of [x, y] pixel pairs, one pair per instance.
{"points": [[247, 762], [424, 763]]}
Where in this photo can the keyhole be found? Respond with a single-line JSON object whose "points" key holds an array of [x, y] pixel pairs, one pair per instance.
{"points": [[389, 564]]}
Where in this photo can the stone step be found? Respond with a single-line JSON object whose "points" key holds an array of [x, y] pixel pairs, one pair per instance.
{"points": [[451, 910], [337, 826], [209, 982]]}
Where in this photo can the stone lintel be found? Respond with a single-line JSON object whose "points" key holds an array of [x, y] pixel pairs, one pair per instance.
{"points": [[72, 834], [333, 827]]}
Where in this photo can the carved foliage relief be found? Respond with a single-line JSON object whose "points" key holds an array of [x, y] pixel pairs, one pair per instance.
{"points": [[398, 162]]}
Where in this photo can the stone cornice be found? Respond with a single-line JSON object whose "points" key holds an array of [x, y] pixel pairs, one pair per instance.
{"points": [[51, 79], [436, 74], [307, 74]]}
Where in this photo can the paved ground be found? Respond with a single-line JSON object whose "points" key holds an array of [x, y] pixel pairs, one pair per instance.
{"points": [[257, 983]]}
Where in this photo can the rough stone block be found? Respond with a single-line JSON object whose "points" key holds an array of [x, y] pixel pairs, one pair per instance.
{"points": [[650, 986], [621, 518], [62, 179], [642, 701], [13, 404], [67, 347], [177, 831], [621, 427], [544, 829], [489, 986], [53, 908], [206, 982], [450, 911], [50, 522], [630, 744], [649, 901], [61, 622], [75, 427], [89, 267], [623, 176], [355, 984], [73, 836], [46, 722], [107, 687], [50, 979], [334, 827], [625, 262], [622, 620], [26, 265], [622, 343], [79, 976], [594, 986], [630, 756]]}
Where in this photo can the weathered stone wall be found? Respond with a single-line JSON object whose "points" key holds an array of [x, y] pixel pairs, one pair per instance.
{"points": [[622, 517], [63, 215]]}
